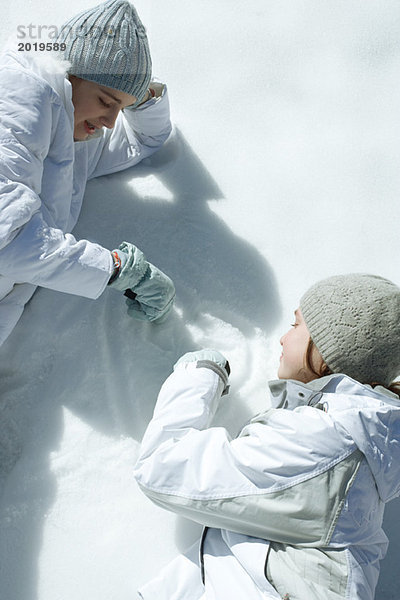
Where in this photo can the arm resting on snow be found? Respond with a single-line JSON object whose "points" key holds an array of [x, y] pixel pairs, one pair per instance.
{"points": [[45, 256], [137, 134], [260, 483], [150, 121], [32, 247]]}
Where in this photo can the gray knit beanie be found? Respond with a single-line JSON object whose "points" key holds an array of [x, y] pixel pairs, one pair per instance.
{"points": [[107, 44], [354, 321]]}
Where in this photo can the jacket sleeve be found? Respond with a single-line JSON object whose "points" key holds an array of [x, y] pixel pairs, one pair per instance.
{"points": [[32, 249], [137, 134], [263, 483]]}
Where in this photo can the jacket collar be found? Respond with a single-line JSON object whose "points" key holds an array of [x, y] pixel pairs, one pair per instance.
{"points": [[289, 393]]}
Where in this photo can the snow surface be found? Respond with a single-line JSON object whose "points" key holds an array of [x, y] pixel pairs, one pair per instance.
{"points": [[283, 168]]}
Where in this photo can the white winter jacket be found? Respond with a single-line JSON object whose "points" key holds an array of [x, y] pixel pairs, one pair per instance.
{"points": [[293, 506], [43, 174]]}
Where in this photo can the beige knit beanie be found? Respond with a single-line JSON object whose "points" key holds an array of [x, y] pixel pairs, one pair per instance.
{"points": [[354, 321]]}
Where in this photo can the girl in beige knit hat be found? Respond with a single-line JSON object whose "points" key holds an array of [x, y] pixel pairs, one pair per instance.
{"points": [[293, 506]]}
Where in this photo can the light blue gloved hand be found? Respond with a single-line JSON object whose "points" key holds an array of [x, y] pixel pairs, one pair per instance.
{"points": [[211, 359], [150, 293]]}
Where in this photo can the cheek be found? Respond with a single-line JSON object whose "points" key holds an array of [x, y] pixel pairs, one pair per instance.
{"points": [[77, 110], [294, 349], [84, 107]]}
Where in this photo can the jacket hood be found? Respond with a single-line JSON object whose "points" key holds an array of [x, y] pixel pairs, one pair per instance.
{"points": [[370, 416], [48, 67]]}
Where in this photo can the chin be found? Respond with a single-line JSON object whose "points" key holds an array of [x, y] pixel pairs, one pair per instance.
{"points": [[287, 374], [80, 137], [282, 371], [80, 133]]}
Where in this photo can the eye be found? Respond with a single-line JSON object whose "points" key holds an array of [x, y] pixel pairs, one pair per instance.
{"points": [[293, 324], [104, 103]]}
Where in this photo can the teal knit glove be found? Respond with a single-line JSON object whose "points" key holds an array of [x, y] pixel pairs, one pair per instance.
{"points": [[150, 293]]}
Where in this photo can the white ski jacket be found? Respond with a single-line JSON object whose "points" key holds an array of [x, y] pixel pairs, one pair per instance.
{"points": [[293, 506], [43, 174]]}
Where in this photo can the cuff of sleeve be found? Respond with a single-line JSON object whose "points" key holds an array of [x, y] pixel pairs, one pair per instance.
{"points": [[154, 99], [220, 371]]}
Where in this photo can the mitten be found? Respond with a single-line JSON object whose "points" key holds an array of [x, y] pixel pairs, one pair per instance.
{"points": [[150, 293]]}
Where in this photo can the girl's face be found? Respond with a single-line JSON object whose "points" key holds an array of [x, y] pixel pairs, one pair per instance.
{"points": [[294, 347], [96, 106]]}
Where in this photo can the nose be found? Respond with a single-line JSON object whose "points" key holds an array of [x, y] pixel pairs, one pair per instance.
{"points": [[108, 120], [281, 341]]}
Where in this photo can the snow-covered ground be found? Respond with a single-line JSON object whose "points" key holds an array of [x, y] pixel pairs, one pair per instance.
{"points": [[283, 168]]}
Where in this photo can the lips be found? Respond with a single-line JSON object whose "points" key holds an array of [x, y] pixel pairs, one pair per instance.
{"points": [[90, 129]]}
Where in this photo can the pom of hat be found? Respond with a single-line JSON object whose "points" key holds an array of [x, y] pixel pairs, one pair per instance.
{"points": [[107, 44], [354, 321]]}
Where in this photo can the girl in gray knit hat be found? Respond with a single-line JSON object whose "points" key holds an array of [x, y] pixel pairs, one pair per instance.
{"points": [[293, 506], [62, 122]]}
